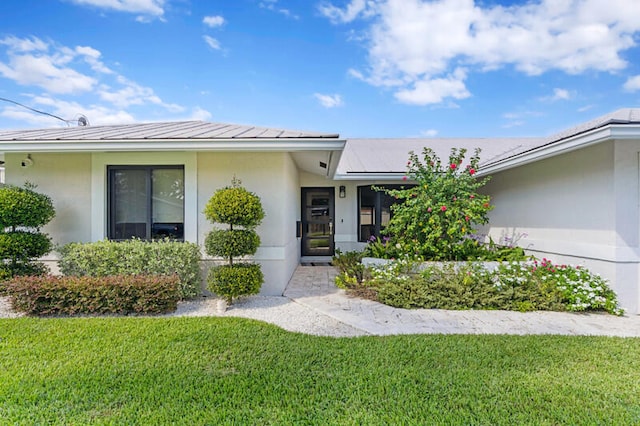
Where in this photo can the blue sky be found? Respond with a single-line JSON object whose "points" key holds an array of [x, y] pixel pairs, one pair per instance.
{"points": [[361, 68]]}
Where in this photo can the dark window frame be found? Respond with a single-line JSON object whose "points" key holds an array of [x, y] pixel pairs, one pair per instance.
{"points": [[377, 208], [111, 202]]}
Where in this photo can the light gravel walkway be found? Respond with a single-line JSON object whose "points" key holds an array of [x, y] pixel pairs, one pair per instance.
{"points": [[312, 304]]}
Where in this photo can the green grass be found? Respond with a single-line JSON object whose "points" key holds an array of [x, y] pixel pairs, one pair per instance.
{"points": [[233, 371]]}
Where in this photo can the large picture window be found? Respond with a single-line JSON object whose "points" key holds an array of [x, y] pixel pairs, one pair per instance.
{"points": [[146, 202], [374, 210]]}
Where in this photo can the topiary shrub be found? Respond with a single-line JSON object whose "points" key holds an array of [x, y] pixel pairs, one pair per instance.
{"points": [[235, 207], [22, 213], [229, 243], [134, 257], [239, 279]]}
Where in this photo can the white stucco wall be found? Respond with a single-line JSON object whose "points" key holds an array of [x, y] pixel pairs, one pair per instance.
{"points": [[563, 203], [66, 179], [578, 208]]}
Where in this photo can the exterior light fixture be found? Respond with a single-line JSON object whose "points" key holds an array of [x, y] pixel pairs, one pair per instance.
{"points": [[27, 162], [343, 191]]}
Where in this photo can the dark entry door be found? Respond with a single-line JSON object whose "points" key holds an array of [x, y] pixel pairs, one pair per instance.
{"points": [[318, 221]]}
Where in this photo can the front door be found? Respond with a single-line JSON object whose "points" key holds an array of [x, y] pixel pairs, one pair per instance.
{"points": [[317, 221]]}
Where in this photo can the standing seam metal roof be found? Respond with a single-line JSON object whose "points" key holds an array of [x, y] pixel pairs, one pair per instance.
{"points": [[160, 131]]}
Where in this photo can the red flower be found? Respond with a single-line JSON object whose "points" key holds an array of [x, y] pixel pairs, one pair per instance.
{"points": [[472, 196], [453, 166], [485, 205], [472, 172], [467, 218], [443, 208], [404, 178], [429, 210]]}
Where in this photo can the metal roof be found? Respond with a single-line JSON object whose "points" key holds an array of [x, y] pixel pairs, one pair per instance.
{"points": [[384, 158], [389, 156], [179, 130], [621, 116]]}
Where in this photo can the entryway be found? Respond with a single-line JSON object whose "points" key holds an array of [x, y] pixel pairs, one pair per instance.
{"points": [[318, 212]]}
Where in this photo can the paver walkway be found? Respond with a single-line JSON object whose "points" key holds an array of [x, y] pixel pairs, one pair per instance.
{"points": [[312, 286]]}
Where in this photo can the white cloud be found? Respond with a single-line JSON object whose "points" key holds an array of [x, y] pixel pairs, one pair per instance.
{"points": [[515, 123], [632, 84], [435, 90], [431, 133], [413, 45], [148, 9], [561, 94], [329, 101], [558, 95], [56, 71], [273, 6], [130, 93], [213, 21], [200, 114], [69, 110], [32, 62], [517, 119], [212, 42], [354, 10]]}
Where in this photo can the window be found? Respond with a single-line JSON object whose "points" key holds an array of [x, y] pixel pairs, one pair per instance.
{"points": [[374, 210], [146, 202]]}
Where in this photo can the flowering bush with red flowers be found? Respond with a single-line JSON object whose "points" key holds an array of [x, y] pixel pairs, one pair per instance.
{"points": [[443, 208]]}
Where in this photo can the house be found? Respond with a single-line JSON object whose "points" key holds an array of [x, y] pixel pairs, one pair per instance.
{"points": [[574, 195]]}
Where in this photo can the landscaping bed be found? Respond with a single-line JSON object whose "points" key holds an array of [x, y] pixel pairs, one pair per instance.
{"points": [[437, 220], [517, 285]]}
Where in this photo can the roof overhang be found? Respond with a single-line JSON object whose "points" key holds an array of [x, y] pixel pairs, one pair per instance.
{"points": [[563, 146], [146, 145], [370, 176]]}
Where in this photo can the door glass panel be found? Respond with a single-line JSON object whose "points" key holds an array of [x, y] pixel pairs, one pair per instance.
{"points": [[317, 222]]}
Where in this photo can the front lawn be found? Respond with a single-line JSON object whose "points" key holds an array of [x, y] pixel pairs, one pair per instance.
{"points": [[235, 371]]}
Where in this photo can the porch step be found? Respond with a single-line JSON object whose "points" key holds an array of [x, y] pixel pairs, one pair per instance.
{"points": [[315, 260]]}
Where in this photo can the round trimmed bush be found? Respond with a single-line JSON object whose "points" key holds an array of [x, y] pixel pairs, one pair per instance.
{"points": [[229, 243], [24, 207], [24, 244], [235, 280], [235, 206]]}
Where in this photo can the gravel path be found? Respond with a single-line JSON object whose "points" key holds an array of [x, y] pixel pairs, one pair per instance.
{"points": [[280, 311]]}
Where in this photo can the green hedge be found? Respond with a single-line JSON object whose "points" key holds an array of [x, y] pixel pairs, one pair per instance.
{"points": [[135, 257], [124, 294]]}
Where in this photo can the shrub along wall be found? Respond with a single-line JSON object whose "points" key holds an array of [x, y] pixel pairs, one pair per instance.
{"points": [[135, 257], [125, 294]]}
